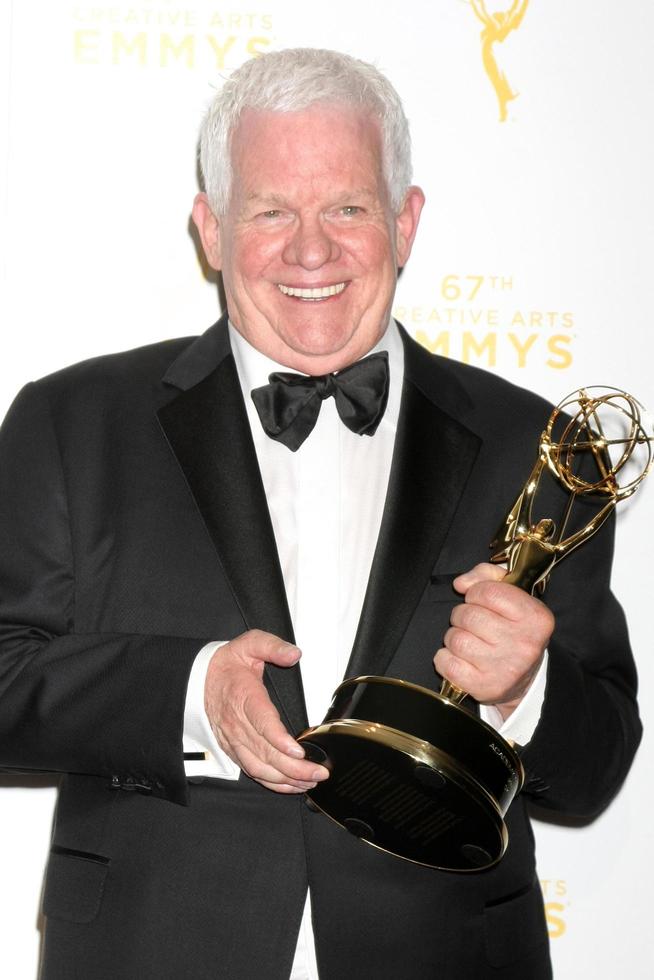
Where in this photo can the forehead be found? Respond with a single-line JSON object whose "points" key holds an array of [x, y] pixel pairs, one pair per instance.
{"points": [[325, 143]]}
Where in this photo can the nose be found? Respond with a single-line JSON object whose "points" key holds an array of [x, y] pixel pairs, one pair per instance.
{"points": [[311, 245]]}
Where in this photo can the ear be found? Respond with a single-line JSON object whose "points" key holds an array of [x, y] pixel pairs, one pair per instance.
{"points": [[208, 227], [406, 224]]}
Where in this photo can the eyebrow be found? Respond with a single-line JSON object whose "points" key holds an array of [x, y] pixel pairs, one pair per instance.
{"points": [[279, 199], [265, 198]]}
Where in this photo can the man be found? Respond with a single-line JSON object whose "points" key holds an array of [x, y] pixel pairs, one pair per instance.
{"points": [[171, 526]]}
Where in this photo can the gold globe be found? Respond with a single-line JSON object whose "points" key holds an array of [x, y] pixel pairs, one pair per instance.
{"points": [[606, 428]]}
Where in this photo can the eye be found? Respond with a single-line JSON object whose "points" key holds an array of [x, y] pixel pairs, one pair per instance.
{"points": [[351, 210], [271, 216]]}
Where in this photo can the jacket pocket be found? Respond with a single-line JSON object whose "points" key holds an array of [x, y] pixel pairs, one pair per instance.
{"points": [[74, 885], [515, 926]]}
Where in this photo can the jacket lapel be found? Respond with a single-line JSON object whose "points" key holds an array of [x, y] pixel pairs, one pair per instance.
{"points": [[207, 430], [433, 457]]}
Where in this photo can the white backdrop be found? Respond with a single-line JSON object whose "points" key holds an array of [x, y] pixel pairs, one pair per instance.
{"points": [[533, 260]]}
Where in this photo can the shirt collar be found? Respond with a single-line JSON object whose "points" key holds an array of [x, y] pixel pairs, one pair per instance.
{"points": [[253, 367]]}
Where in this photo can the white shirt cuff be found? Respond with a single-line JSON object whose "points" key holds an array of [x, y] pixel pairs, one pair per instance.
{"points": [[198, 736], [521, 724]]}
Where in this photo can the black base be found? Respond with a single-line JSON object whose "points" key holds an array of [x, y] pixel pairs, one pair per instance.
{"points": [[414, 774]]}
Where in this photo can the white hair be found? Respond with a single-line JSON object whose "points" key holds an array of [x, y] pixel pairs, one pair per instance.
{"points": [[297, 79]]}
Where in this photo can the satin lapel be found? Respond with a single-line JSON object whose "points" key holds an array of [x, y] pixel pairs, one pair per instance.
{"points": [[208, 431], [433, 457]]}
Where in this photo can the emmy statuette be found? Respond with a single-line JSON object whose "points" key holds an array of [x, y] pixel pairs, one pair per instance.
{"points": [[413, 773]]}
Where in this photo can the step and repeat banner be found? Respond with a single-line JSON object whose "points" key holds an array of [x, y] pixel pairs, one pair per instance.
{"points": [[532, 131]]}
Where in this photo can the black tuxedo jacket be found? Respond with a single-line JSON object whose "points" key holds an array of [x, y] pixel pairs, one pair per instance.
{"points": [[133, 529]]}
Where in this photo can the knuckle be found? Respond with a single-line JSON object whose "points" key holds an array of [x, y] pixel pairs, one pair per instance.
{"points": [[456, 671], [256, 771], [472, 618], [459, 642], [494, 593], [295, 769], [267, 724], [257, 768], [254, 643], [476, 594], [458, 614], [254, 635]]}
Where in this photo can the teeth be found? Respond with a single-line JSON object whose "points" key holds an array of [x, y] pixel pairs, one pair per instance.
{"points": [[321, 292]]}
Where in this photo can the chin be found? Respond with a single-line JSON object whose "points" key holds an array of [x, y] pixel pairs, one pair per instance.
{"points": [[319, 343]]}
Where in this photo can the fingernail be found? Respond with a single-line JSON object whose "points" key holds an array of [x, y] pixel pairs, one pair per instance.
{"points": [[296, 751]]}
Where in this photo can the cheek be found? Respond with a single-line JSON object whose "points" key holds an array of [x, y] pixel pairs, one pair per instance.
{"points": [[252, 256], [373, 252]]}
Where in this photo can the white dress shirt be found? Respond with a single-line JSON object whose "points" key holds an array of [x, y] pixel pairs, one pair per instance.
{"points": [[326, 502]]}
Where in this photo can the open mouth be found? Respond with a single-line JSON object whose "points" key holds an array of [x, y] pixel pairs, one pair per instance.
{"points": [[312, 293]]}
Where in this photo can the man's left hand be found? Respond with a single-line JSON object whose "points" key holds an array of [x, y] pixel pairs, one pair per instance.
{"points": [[496, 639]]}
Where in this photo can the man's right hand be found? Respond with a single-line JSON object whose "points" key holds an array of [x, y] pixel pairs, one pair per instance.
{"points": [[244, 720]]}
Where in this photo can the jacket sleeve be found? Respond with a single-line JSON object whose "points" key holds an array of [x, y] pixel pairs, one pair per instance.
{"points": [[111, 704], [589, 727]]}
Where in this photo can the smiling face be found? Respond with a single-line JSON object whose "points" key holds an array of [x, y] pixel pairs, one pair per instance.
{"points": [[309, 247]]}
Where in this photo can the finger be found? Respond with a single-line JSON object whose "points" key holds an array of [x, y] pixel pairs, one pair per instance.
{"points": [[277, 769], [507, 601], [459, 672], [280, 787], [272, 744], [257, 646], [464, 645], [263, 719], [484, 572], [488, 682], [483, 623]]}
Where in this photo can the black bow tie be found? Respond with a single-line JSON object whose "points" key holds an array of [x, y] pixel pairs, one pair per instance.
{"points": [[289, 404]]}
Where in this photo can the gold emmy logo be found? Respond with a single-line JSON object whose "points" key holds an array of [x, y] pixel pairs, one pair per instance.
{"points": [[497, 27], [162, 35]]}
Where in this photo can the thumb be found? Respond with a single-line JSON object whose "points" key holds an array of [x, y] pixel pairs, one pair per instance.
{"points": [[484, 572], [258, 647]]}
